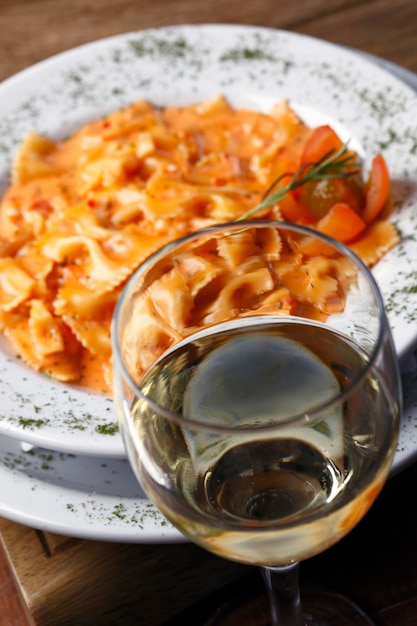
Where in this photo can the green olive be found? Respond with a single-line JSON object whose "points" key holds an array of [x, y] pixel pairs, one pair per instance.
{"points": [[319, 196]]}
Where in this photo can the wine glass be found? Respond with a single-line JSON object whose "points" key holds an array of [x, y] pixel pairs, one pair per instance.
{"points": [[258, 394]]}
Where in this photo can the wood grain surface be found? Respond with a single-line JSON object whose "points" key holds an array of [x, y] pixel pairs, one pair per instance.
{"points": [[70, 582], [32, 30]]}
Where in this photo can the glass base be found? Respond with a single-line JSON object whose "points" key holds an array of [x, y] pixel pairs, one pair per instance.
{"points": [[320, 608]]}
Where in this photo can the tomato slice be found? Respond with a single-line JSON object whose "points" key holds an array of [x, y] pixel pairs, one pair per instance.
{"points": [[378, 188], [341, 223], [294, 211], [322, 141]]}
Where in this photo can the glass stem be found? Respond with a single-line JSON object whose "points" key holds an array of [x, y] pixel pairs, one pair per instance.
{"points": [[282, 584]]}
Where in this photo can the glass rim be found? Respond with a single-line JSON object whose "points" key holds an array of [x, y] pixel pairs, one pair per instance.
{"points": [[307, 417]]}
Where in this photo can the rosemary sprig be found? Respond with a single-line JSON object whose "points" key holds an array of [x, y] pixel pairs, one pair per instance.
{"points": [[339, 164]]}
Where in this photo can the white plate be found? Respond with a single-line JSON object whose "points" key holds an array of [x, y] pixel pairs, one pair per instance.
{"points": [[253, 67], [80, 496], [99, 498]]}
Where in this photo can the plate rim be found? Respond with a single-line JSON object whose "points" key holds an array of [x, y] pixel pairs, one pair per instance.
{"points": [[73, 507]]}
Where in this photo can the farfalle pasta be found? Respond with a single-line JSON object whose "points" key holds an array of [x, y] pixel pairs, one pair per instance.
{"points": [[274, 279], [82, 214]]}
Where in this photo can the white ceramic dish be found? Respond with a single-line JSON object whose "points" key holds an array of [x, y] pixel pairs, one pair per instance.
{"points": [[80, 496], [99, 498], [253, 67]]}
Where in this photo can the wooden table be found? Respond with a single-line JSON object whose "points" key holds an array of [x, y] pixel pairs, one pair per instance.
{"points": [[59, 581]]}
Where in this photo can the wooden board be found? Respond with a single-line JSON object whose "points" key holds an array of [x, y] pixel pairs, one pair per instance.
{"points": [[67, 581]]}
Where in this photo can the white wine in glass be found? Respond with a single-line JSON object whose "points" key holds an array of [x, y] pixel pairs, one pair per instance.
{"points": [[258, 393]]}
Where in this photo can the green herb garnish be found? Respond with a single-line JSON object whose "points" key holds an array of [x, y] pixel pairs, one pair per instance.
{"points": [[339, 164]]}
